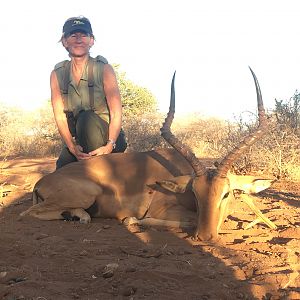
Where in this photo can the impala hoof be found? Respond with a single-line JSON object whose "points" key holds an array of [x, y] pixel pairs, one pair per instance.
{"points": [[130, 221], [68, 217], [85, 220]]}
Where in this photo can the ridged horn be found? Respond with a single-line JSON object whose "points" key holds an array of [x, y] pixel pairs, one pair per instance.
{"points": [[166, 133], [236, 153]]}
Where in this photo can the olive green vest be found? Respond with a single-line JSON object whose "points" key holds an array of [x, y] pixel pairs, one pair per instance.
{"points": [[77, 97]]}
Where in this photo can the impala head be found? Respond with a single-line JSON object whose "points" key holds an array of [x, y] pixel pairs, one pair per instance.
{"points": [[214, 188]]}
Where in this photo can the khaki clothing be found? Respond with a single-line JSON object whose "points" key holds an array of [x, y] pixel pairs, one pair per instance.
{"points": [[88, 117], [76, 97]]}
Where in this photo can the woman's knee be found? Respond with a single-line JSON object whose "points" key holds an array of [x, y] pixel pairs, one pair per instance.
{"points": [[91, 130], [65, 158]]}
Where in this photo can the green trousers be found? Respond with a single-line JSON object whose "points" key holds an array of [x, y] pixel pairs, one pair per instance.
{"points": [[90, 132]]}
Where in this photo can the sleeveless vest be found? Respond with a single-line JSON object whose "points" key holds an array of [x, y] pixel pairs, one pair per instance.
{"points": [[89, 93]]}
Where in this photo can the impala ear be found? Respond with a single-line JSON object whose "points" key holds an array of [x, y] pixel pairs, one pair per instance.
{"points": [[259, 185], [177, 185], [249, 184]]}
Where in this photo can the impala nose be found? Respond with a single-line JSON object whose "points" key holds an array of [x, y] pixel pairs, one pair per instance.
{"points": [[206, 235]]}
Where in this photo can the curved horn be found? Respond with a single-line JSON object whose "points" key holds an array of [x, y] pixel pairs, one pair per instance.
{"points": [[166, 133], [234, 154]]}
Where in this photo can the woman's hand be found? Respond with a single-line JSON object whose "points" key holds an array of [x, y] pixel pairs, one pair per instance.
{"points": [[108, 148], [77, 151]]}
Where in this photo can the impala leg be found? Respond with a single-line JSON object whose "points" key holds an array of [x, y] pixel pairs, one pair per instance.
{"points": [[84, 217], [43, 211], [157, 222], [39, 211]]}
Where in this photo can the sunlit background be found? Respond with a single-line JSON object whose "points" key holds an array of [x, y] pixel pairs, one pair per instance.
{"points": [[209, 43]]}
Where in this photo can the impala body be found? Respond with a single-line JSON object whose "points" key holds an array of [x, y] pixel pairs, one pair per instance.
{"points": [[167, 184]]}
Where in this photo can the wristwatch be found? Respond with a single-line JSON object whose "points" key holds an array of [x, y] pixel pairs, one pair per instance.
{"points": [[112, 142]]}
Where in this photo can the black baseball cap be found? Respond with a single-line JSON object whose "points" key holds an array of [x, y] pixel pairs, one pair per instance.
{"points": [[77, 24]]}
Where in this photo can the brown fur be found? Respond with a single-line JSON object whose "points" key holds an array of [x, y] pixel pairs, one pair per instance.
{"points": [[155, 184]]}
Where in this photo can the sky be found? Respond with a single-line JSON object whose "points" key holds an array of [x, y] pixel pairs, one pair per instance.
{"points": [[210, 44]]}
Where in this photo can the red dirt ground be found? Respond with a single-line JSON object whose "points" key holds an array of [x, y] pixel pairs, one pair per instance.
{"points": [[45, 260]]}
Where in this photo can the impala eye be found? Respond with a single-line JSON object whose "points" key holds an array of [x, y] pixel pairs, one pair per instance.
{"points": [[226, 195]]}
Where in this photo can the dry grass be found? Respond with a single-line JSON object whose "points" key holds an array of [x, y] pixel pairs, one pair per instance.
{"points": [[278, 153], [28, 133]]}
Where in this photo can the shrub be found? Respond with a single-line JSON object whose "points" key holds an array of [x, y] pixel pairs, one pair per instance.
{"points": [[28, 133], [277, 153]]}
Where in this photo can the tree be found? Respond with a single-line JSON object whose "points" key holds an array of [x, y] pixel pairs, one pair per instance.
{"points": [[135, 99], [288, 113]]}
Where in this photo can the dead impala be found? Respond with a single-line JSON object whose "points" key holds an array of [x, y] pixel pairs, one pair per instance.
{"points": [[162, 187]]}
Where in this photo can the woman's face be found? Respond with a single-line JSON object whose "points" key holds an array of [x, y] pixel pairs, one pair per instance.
{"points": [[78, 44]]}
